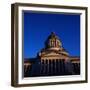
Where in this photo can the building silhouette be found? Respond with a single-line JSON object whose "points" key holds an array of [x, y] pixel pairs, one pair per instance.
{"points": [[52, 60]]}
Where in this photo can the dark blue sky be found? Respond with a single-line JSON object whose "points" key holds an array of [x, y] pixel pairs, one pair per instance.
{"points": [[38, 26]]}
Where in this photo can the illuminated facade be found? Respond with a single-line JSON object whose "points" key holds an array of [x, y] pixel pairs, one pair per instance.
{"points": [[53, 60]]}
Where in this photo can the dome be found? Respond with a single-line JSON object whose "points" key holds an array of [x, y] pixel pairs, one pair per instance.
{"points": [[53, 46], [53, 41]]}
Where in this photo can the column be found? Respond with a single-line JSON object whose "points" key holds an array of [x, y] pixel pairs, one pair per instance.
{"points": [[48, 67], [51, 67], [41, 67], [42, 71], [55, 66], [63, 68], [55, 43], [44, 66], [51, 42], [59, 66]]}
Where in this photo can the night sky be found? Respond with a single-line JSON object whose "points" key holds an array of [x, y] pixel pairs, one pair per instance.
{"points": [[38, 26]]}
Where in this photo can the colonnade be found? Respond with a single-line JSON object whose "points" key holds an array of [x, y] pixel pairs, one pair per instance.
{"points": [[51, 67]]}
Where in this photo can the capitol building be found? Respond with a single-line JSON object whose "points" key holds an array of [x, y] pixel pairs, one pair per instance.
{"points": [[52, 60]]}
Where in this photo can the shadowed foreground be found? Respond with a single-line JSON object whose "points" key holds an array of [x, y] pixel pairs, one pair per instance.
{"points": [[60, 67]]}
